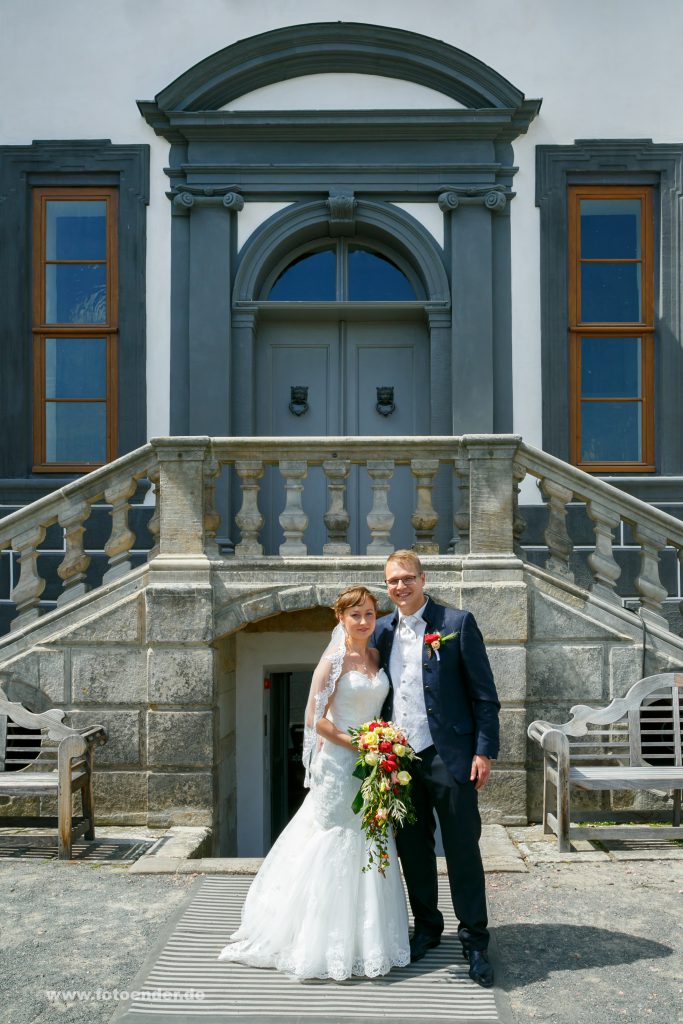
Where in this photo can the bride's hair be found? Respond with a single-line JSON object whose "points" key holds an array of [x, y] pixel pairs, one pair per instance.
{"points": [[350, 597]]}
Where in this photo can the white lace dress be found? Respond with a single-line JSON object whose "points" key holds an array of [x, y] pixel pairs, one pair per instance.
{"points": [[311, 911]]}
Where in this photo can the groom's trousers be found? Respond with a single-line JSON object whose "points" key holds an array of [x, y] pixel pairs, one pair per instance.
{"points": [[435, 790]]}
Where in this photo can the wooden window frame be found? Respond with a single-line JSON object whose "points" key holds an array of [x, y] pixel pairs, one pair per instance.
{"points": [[644, 329], [42, 330]]}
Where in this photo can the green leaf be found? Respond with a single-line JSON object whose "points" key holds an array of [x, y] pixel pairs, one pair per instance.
{"points": [[361, 771], [358, 801]]}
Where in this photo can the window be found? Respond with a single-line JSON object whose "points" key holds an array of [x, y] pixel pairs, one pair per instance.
{"points": [[342, 272], [75, 323], [611, 327]]}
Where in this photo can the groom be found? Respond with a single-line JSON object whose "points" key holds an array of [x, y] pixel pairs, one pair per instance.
{"points": [[445, 701]]}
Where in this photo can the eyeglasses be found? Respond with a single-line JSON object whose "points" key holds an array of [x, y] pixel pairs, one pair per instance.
{"points": [[408, 581]]}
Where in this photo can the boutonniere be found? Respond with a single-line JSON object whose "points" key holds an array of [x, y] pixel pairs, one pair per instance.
{"points": [[433, 642]]}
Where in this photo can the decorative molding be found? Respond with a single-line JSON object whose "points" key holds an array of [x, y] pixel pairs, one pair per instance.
{"points": [[612, 161], [185, 199], [325, 47], [494, 199], [342, 213], [306, 222]]}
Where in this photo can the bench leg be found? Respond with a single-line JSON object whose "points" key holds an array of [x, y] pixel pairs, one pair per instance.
{"points": [[546, 827], [563, 843], [64, 817], [677, 806], [88, 807]]}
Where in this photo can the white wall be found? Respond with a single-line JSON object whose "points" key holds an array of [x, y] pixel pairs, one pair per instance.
{"points": [[604, 70], [258, 654]]}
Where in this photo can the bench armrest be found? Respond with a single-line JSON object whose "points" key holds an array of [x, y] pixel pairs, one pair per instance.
{"points": [[96, 735], [550, 738]]}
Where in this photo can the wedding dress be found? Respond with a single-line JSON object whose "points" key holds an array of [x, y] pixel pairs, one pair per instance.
{"points": [[311, 911]]}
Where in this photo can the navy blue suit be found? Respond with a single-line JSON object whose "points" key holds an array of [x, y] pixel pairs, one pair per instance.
{"points": [[462, 712]]}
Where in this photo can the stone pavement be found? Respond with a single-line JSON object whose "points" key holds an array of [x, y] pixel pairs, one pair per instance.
{"points": [[593, 937]]}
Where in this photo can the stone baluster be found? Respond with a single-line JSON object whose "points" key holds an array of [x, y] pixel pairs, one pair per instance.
{"points": [[460, 544], [380, 518], [74, 565], [26, 594], [154, 525], [648, 582], [556, 535], [680, 562], [337, 518], [212, 519], [425, 517], [122, 538], [602, 563], [293, 519], [249, 519], [518, 520]]}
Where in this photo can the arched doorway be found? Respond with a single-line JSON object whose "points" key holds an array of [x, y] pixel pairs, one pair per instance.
{"points": [[342, 328]]}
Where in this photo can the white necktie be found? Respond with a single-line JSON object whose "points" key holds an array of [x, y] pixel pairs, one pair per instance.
{"points": [[409, 624]]}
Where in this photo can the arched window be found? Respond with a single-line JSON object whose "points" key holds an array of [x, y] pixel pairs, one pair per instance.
{"points": [[342, 272]]}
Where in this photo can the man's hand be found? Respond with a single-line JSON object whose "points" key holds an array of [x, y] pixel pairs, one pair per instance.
{"points": [[481, 769]]}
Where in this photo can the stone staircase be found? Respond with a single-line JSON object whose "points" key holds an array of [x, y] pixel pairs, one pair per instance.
{"points": [[136, 623]]}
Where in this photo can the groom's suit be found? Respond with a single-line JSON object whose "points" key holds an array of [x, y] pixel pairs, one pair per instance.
{"points": [[462, 713]]}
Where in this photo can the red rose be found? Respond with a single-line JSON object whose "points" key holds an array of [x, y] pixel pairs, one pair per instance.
{"points": [[373, 726], [386, 747], [431, 637], [387, 767], [392, 764]]}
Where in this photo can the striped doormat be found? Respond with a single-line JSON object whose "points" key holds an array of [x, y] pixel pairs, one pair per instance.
{"points": [[182, 982]]}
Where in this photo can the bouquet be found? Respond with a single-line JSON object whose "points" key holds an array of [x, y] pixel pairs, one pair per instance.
{"points": [[384, 795]]}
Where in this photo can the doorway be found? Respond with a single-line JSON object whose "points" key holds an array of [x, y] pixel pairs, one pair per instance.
{"points": [[286, 706], [367, 377]]}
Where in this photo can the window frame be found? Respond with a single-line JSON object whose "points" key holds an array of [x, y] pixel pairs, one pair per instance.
{"points": [[643, 329], [42, 329]]}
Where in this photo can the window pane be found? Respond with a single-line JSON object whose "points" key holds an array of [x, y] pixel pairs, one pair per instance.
{"points": [[610, 367], [76, 230], [372, 276], [611, 432], [610, 229], [308, 278], [76, 431], [610, 292], [75, 368], [75, 293]]}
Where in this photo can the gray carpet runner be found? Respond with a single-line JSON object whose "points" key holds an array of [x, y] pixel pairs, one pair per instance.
{"points": [[437, 989]]}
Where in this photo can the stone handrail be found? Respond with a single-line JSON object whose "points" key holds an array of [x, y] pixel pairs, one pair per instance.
{"points": [[70, 506], [185, 473], [607, 507]]}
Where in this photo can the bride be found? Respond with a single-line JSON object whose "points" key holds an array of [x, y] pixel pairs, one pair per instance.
{"points": [[311, 911]]}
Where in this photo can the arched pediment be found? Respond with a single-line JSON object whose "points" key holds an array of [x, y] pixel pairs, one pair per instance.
{"points": [[325, 47]]}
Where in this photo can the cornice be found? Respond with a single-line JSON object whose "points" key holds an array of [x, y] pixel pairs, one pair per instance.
{"points": [[190, 107]]}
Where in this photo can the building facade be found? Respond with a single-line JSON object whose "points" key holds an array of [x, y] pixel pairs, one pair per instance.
{"points": [[285, 222]]}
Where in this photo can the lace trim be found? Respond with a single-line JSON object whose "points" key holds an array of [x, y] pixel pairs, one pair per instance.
{"points": [[370, 967]]}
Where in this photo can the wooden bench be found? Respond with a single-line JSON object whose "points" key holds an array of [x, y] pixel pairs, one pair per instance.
{"points": [[634, 743], [40, 756]]}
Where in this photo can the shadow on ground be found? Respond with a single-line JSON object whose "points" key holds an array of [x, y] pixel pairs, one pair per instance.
{"points": [[532, 952], [42, 848]]}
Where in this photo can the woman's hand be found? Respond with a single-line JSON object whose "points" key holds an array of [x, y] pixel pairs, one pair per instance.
{"points": [[328, 730]]}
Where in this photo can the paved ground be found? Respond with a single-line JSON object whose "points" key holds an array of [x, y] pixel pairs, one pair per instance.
{"points": [[595, 940]]}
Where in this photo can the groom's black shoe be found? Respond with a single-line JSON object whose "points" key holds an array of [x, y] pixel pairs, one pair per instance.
{"points": [[480, 967], [420, 943]]}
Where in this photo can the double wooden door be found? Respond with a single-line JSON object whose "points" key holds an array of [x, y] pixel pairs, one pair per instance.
{"points": [[341, 364]]}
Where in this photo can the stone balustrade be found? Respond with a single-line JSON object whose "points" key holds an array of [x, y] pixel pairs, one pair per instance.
{"points": [[203, 489], [608, 508]]}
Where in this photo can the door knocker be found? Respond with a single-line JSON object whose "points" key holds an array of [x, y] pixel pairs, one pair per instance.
{"points": [[385, 401], [298, 404]]}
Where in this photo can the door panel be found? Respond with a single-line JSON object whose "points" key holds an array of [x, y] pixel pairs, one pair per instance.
{"points": [[386, 355], [296, 354], [342, 364]]}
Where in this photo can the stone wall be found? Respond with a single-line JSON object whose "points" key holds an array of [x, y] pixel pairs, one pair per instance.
{"points": [[153, 658]]}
